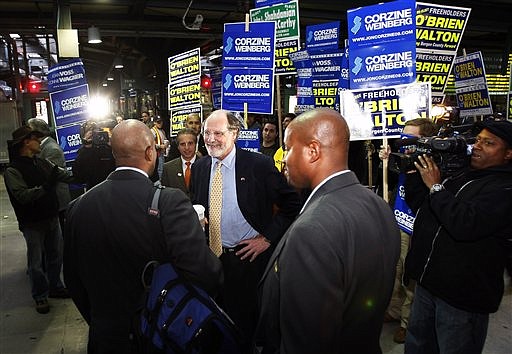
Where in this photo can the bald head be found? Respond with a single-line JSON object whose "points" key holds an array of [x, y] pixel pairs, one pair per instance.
{"points": [[133, 145], [317, 144]]}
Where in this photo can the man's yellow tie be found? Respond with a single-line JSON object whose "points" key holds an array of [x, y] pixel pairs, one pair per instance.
{"points": [[216, 211]]}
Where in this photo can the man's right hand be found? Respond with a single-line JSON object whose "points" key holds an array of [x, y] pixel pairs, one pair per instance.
{"points": [[384, 152]]}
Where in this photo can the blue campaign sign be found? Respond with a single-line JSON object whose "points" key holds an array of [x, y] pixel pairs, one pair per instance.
{"points": [[263, 3], [252, 86], [382, 23], [304, 65], [216, 75], [71, 105], [249, 139], [253, 48], [323, 37], [69, 140], [67, 74], [327, 64], [469, 70], [382, 65]]}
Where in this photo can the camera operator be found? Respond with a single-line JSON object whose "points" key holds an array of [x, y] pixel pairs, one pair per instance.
{"points": [[458, 251], [94, 161], [400, 305]]}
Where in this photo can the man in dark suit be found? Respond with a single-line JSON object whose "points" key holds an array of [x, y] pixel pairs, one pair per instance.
{"points": [[177, 172], [330, 278], [110, 240], [257, 206]]}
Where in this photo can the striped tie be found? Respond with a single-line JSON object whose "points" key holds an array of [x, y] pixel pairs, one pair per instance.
{"points": [[216, 211]]}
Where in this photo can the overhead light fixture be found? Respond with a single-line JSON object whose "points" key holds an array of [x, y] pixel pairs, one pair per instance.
{"points": [[110, 78], [197, 22], [93, 34], [105, 84], [118, 63]]}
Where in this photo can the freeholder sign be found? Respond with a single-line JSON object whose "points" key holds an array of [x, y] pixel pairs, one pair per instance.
{"points": [[67, 74], [184, 93], [185, 66], [471, 85], [382, 112], [284, 65], [252, 86], [440, 27], [434, 68], [253, 48], [179, 118]]}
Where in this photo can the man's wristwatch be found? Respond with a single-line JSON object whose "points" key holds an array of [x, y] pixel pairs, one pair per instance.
{"points": [[436, 188]]}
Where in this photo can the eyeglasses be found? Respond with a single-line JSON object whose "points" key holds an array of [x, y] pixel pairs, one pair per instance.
{"points": [[216, 135]]}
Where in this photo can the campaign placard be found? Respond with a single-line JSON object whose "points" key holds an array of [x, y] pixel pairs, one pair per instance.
{"points": [[71, 105], [473, 100], [253, 48], [469, 70], [326, 93], [286, 17], [252, 86], [382, 65], [434, 68], [382, 112], [381, 23], [185, 66], [262, 3], [216, 76], [509, 100], [66, 74], [283, 63], [249, 139], [184, 93], [328, 64], [304, 66], [179, 118], [68, 138], [440, 27], [324, 36]]}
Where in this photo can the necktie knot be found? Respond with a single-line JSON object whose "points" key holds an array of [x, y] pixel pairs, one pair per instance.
{"points": [[187, 163]]}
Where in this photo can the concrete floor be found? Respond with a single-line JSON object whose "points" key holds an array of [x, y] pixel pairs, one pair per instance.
{"points": [[63, 331]]}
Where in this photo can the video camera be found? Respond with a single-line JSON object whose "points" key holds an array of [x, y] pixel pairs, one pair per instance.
{"points": [[100, 135], [450, 150]]}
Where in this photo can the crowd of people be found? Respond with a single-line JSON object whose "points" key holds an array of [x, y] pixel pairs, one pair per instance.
{"points": [[298, 273]]}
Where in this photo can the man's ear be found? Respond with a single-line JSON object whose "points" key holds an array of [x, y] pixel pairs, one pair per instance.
{"points": [[148, 153], [313, 150], [508, 154]]}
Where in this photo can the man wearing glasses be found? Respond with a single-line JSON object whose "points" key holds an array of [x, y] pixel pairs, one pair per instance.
{"points": [[249, 206]]}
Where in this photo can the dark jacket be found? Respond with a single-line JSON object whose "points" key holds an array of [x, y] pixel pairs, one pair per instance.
{"points": [[259, 187], [31, 184], [458, 245], [110, 239]]}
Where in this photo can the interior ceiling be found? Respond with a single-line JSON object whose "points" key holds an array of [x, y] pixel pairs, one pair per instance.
{"points": [[146, 32]]}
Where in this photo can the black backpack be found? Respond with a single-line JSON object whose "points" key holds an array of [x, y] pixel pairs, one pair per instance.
{"points": [[179, 317]]}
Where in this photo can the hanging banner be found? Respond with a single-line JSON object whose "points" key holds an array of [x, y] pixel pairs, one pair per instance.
{"points": [[71, 105], [252, 86], [382, 112], [67, 74], [179, 118], [324, 36], [185, 66], [286, 17], [253, 48], [68, 138]]}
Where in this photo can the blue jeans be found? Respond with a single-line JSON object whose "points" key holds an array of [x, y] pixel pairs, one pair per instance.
{"points": [[44, 238], [160, 168], [436, 327]]}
